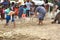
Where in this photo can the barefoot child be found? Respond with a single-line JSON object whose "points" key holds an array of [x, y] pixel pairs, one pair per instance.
{"points": [[42, 11], [9, 13]]}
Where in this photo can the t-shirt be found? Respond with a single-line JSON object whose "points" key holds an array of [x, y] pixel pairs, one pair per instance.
{"points": [[24, 10], [7, 11], [5, 3], [21, 9], [12, 8], [41, 9]]}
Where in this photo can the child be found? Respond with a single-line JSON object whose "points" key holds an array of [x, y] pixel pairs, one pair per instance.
{"points": [[3, 14], [42, 11], [20, 11], [24, 12], [16, 10], [1, 10], [32, 9], [9, 13]]}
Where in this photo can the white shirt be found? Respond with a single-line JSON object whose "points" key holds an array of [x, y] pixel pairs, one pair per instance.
{"points": [[28, 4]]}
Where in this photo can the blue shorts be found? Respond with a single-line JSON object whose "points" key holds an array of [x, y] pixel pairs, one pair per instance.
{"points": [[41, 16], [13, 18], [8, 17]]}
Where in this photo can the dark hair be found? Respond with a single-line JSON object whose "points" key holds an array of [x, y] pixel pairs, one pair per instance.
{"points": [[13, 3], [32, 2], [46, 1], [42, 5], [25, 6]]}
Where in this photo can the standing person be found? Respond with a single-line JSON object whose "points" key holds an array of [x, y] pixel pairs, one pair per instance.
{"points": [[32, 9], [42, 11], [16, 9], [28, 4], [3, 13], [24, 11], [46, 5], [12, 6], [5, 3], [46, 1], [1, 10], [20, 11], [9, 13]]}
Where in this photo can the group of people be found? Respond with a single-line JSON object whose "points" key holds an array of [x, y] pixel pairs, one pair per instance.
{"points": [[23, 11]]}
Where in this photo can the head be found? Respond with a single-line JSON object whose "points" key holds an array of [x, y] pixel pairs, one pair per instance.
{"points": [[25, 6], [42, 5], [27, 0], [13, 3], [7, 7], [33, 4]]}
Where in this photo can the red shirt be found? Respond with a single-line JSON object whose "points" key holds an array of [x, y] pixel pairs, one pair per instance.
{"points": [[16, 10]]}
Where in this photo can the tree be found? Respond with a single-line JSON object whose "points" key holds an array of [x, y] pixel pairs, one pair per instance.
{"points": [[50, 0]]}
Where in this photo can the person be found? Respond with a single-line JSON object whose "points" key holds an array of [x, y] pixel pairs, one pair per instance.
{"points": [[16, 9], [32, 9], [28, 4], [5, 3], [12, 6], [3, 13], [42, 11], [56, 6], [57, 18], [24, 11], [9, 13], [1, 10], [46, 1], [20, 11], [46, 5]]}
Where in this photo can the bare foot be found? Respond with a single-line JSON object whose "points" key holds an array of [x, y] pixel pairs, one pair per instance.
{"points": [[38, 23], [53, 22], [5, 25]]}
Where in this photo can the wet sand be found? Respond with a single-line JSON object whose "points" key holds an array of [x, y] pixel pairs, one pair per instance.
{"points": [[29, 30]]}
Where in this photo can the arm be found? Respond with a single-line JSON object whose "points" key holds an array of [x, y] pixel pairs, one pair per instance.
{"points": [[55, 8]]}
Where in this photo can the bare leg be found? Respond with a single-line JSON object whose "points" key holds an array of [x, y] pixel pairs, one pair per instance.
{"points": [[7, 21], [6, 25], [14, 24], [41, 22]]}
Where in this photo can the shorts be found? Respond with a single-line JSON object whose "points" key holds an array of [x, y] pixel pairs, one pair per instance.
{"points": [[8, 17], [41, 16]]}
